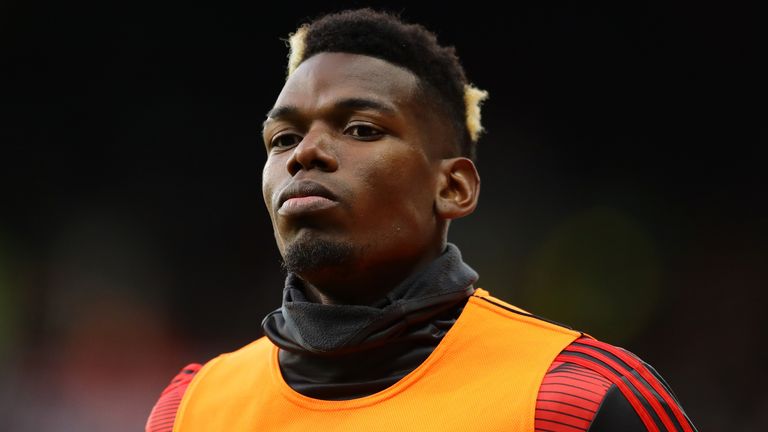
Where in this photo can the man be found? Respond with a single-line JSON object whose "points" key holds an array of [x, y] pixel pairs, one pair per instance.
{"points": [[370, 156]]}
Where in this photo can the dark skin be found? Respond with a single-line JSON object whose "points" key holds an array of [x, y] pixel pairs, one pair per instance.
{"points": [[365, 163]]}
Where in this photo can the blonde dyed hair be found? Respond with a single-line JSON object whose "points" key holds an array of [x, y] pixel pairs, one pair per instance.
{"points": [[473, 99], [297, 44]]}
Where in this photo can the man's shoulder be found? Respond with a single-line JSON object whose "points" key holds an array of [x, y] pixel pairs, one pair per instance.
{"points": [[485, 300], [260, 344], [594, 385], [163, 414], [612, 389]]}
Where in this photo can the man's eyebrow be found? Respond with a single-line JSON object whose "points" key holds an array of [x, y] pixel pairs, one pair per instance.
{"points": [[279, 112], [283, 111]]}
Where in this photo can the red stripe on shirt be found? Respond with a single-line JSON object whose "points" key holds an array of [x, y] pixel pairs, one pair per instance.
{"points": [[163, 414], [616, 379], [658, 409], [638, 366], [569, 398]]}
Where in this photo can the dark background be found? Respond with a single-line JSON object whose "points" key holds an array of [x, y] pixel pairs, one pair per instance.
{"points": [[623, 191]]}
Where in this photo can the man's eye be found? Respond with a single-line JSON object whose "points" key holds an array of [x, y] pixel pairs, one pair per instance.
{"points": [[285, 140], [363, 131]]}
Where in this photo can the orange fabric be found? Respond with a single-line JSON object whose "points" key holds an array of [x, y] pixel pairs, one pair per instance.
{"points": [[484, 375]]}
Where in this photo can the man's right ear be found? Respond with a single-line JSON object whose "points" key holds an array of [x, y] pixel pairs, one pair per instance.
{"points": [[458, 188]]}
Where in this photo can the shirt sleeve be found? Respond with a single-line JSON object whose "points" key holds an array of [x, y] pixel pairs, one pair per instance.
{"points": [[596, 387], [163, 414]]}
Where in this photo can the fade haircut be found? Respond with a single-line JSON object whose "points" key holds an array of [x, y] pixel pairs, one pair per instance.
{"points": [[387, 37]]}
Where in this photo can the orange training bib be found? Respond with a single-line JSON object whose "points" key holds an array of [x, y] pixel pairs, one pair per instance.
{"points": [[484, 375]]}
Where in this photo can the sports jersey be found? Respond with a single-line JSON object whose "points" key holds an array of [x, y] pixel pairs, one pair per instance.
{"points": [[584, 385]]}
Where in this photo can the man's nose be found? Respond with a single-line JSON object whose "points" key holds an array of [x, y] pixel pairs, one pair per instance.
{"points": [[313, 152]]}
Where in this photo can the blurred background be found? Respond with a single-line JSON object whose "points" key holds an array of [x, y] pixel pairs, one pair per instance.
{"points": [[623, 191]]}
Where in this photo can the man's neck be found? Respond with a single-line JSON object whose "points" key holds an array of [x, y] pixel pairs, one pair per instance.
{"points": [[366, 286], [351, 351]]}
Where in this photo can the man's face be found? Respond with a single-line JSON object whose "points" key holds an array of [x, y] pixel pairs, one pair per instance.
{"points": [[350, 167]]}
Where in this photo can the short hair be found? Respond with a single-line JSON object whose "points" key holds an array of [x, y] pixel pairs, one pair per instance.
{"points": [[387, 37]]}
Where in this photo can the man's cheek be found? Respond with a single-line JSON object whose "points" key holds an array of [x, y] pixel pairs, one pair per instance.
{"points": [[267, 186]]}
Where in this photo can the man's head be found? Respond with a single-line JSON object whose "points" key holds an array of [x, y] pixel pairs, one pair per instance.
{"points": [[369, 153], [441, 77]]}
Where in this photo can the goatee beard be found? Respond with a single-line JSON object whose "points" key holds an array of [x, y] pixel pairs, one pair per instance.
{"points": [[316, 254]]}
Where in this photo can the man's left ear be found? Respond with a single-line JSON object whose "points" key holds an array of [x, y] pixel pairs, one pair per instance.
{"points": [[458, 188]]}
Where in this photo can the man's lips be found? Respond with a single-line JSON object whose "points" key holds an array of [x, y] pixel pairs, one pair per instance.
{"points": [[294, 206], [303, 197]]}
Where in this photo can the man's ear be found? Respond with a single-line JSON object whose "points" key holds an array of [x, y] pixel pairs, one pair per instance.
{"points": [[458, 188]]}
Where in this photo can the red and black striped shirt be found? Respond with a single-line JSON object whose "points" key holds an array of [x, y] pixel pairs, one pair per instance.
{"points": [[591, 386]]}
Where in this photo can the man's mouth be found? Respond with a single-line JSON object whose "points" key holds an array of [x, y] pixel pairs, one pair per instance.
{"points": [[304, 197], [298, 205]]}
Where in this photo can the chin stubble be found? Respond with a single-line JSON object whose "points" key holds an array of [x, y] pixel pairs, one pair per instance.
{"points": [[312, 255]]}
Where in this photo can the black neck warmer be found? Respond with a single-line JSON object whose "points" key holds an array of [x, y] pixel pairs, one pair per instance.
{"points": [[337, 352]]}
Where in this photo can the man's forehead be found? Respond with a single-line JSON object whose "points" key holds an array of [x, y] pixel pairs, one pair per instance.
{"points": [[326, 78]]}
